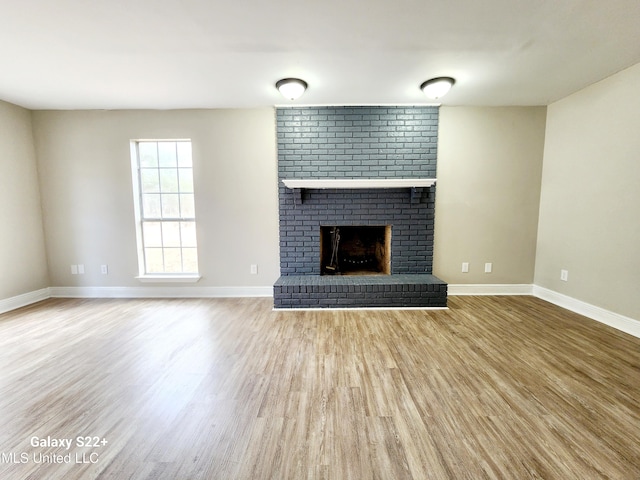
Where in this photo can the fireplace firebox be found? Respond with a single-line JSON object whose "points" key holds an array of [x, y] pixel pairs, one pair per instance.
{"points": [[355, 250]]}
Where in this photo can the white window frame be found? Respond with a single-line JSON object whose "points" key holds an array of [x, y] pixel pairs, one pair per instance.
{"points": [[143, 275]]}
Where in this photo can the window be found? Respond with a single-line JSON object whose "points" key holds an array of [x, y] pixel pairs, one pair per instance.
{"points": [[165, 210]]}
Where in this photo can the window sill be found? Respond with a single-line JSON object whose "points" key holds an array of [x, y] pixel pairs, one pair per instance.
{"points": [[168, 278]]}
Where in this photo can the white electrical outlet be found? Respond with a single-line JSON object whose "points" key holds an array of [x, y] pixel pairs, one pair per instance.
{"points": [[80, 269], [564, 275], [488, 267], [104, 269], [74, 269], [254, 269], [465, 267]]}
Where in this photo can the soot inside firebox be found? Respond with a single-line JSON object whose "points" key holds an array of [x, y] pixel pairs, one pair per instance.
{"points": [[355, 250]]}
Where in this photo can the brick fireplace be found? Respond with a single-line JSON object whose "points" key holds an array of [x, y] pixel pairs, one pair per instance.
{"points": [[373, 151]]}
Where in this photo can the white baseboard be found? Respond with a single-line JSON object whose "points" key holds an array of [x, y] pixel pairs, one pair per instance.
{"points": [[23, 300], [160, 292], [489, 289], [615, 320]]}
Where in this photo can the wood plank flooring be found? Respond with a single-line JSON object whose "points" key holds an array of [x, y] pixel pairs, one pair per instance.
{"points": [[494, 387]]}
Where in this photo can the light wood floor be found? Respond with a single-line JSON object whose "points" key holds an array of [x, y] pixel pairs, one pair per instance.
{"points": [[494, 387]]}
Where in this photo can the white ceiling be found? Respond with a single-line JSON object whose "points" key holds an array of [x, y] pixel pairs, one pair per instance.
{"points": [[163, 54]]}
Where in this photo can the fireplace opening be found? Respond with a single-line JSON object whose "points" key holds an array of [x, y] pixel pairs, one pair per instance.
{"points": [[355, 250]]}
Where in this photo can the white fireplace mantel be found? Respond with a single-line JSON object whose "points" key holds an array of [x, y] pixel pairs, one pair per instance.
{"points": [[297, 185], [294, 183]]}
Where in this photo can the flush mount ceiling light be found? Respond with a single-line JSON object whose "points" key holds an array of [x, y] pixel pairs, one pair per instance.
{"points": [[291, 88], [437, 87]]}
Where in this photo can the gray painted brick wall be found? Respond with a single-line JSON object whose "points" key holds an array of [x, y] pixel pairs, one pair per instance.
{"points": [[356, 142]]}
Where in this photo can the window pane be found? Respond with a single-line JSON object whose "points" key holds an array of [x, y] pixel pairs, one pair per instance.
{"points": [[170, 206], [152, 234], [149, 180], [187, 208], [184, 154], [172, 260], [148, 152], [186, 180], [169, 180], [188, 233], [167, 154], [151, 205], [190, 260], [171, 234], [153, 258], [165, 176]]}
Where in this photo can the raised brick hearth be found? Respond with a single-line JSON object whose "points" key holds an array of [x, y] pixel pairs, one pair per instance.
{"points": [[314, 291], [357, 143]]}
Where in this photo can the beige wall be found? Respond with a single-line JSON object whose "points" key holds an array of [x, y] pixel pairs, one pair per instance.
{"points": [[489, 169], [23, 265], [590, 201], [85, 170], [495, 202], [487, 200]]}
